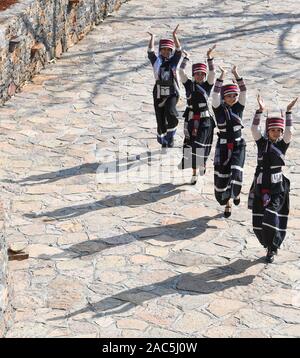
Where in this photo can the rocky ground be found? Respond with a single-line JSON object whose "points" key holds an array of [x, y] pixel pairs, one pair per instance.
{"points": [[145, 255]]}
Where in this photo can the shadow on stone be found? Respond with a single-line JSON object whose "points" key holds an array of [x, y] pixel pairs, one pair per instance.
{"points": [[169, 233], [184, 284], [117, 166], [257, 26], [47, 178], [137, 199]]}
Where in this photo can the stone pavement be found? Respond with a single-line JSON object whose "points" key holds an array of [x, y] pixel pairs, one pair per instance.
{"points": [[147, 256]]}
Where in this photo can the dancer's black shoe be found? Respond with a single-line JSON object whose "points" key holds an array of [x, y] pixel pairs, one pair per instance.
{"points": [[227, 211], [270, 255], [237, 201], [194, 180]]}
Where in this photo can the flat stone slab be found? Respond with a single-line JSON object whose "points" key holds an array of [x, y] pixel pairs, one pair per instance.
{"points": [[138, 252]]}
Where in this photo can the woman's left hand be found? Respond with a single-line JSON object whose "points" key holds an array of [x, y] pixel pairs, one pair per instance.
{"points": [[291, 105]]}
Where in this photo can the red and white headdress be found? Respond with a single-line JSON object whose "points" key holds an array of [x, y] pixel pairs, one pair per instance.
{"points": [[199, 67], [229, 89], [275, 122], [166, 43]]}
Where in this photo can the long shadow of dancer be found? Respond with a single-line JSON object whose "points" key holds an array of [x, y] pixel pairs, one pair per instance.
{"points": [[143, 197], [185, 284], [116, 166], [169, 233], [47, 178]]}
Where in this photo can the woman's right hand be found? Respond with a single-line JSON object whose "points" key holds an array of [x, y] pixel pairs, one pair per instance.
{"points": [[261, 103], [291, 105], [223, 72]]}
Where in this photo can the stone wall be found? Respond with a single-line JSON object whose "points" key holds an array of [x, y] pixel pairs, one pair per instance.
{"points": [[33, 32]]}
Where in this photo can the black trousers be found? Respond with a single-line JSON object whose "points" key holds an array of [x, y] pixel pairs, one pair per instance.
{"points": [[166, 118], [270, 223], [196, 149], [228, 178]]}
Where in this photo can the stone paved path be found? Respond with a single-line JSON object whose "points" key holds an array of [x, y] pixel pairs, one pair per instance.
{"points": [[150, 257]]}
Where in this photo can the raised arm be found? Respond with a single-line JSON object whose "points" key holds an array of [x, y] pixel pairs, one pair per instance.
{"points": [[211, 68], [242, 86], [151, 42], [182, 74], [287, 135], [176, 41], [216, 95], [178, 53], [151, 54], [255, 127]]}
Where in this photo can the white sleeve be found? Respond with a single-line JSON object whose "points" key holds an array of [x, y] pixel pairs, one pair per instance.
{"points": [[183, 76], [288, 132], [216, 95], [243, 91], [211, 72], [255, 127]]}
